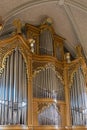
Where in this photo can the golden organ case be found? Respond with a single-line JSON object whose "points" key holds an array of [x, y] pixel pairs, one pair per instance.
{"points": [[41, 86]]}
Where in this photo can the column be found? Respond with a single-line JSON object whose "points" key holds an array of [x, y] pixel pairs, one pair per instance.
{"points": [[67, 96]]}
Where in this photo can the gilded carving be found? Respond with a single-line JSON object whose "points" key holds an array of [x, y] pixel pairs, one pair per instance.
{"points": [[17, 23], [71, 72], [73, 67], [48, 65], [42, 106], [45, 105], [78, 50]]}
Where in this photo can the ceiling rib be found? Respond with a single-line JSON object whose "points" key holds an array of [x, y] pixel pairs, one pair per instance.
{"points": [[76, 5], [75, 26], [32, 3], [26, 6]]}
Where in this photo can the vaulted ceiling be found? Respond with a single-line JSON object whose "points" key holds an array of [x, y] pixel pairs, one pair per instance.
{"points": [[69, 18]]}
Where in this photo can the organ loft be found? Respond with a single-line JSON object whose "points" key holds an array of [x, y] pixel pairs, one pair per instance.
{"points": [[42, 86]]}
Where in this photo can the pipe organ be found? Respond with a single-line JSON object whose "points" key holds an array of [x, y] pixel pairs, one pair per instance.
{"points": [[41, 86]]}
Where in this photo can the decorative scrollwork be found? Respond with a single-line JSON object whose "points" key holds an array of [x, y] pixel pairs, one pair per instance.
{"points": [[44, 66], [45, 105], [6, 49], [42, 106]]}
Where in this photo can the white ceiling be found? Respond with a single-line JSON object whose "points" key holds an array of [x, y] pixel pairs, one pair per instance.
{"points": [[69, 16]]}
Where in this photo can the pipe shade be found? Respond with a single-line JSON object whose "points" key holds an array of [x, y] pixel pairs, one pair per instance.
{"points": [[50, 116]]}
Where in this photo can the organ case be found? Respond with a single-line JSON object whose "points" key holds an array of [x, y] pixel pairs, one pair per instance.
{"points": [[40, 86]]}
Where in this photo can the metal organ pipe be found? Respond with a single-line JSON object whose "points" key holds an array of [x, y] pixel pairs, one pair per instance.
{"points": [[20, 72], [13, 88]]}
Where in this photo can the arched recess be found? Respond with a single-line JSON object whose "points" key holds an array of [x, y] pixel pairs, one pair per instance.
{"points": [[47, 83], [14, 82], [78, 98], [13, 90], [50, 115]]}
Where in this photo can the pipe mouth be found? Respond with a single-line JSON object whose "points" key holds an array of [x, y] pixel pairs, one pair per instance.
{"points": [[14, 105]]}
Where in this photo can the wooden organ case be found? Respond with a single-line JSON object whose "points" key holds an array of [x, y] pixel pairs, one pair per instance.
{"points": [[40, 86]]}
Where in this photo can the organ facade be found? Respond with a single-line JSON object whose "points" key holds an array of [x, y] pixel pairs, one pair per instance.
{"points": [[41, 85]]}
